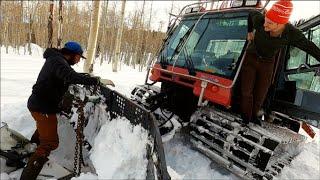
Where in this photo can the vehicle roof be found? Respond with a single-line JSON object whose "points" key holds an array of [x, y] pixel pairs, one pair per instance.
{"points": [[211, 12], [311, 22]]}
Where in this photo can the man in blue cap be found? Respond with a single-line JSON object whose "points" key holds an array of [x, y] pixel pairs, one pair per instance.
{"points": [[53, 81]]}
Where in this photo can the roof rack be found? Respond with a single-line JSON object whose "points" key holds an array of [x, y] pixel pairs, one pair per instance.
{"points": [[217, 5], [306, 23]]}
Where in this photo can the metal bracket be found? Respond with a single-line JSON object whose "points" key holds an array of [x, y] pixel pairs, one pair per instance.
{"points": [[203, 86]]}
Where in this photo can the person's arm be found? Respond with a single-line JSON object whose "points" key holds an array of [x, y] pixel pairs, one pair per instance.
{"points": [[298, 40], [65, 72], [255, 19]]}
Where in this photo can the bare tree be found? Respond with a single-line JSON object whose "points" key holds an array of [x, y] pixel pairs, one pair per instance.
{"points": [[102, 41], [118, 39], [26, 22], [31, 32], [137, 53], [93, 36], [59, 38], [150, 15], [50, 24]]}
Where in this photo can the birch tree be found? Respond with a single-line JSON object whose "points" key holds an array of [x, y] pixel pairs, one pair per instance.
{"points": [[93, 36], [137, 52], [26, 22], [102, 42], [116, 59], [60, 21], [50, 24]]}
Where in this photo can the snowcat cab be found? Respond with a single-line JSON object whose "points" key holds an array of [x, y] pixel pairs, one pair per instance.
{"points": [[198, 66], [200, 58]]}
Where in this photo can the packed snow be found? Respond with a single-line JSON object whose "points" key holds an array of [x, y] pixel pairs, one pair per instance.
{"points": [[123, 148], [118, 150]]}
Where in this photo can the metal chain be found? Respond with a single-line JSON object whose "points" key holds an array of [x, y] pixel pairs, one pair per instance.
{"points": [[78, 157]]}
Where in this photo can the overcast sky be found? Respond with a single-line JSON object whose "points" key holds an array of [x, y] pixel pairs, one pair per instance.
{"points": [[301, 9]]}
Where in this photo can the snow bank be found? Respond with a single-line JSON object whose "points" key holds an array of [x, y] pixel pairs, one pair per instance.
{"points": [[190, 164], [36, 50], [4, 176], [86, 176], [125, 79], [305, 165], [119, 151]]}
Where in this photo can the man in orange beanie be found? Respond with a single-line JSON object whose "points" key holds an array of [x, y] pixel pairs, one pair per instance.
{"points": [[272, 33]]}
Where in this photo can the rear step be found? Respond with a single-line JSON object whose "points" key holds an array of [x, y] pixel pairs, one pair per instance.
{"points": [[250, 152]]}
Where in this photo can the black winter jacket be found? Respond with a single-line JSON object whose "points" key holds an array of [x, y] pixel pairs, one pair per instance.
{"points": [[53, 81]]}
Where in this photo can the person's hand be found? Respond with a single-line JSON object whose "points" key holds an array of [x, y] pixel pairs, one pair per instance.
{"points": [[250, 36], [107, 82]]}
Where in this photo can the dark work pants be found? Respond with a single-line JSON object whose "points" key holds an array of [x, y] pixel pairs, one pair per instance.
{"points": [[46, 135], [256, 76]]}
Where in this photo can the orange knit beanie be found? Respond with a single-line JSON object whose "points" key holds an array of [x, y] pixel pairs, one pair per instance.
{"points": [[280, 12]]}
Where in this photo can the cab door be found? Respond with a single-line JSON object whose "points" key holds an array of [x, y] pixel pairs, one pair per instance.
{"points": [[300, 96]]}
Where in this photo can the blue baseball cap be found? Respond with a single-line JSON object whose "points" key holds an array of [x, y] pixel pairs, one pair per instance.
{"points": [[74, 47]]}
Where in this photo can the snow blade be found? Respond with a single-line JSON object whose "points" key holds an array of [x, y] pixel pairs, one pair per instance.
{"points": [[119, 105]]}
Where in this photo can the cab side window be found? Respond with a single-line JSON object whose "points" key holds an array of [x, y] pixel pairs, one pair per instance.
{"points": [[301, 65], [315, 38], [297, 57], [306, 81]]}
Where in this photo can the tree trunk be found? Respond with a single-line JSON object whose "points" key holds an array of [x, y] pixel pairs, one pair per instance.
{"points": [[137, 53], [59, 37], [118, 39], [103, 36], [93, 36], [50, 24], [150, 15]]}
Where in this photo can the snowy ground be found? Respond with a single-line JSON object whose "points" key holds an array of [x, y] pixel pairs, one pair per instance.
{"points": [[19, 73]]}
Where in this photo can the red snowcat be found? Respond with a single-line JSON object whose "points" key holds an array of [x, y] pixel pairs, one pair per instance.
{"points": [[198, 67]]}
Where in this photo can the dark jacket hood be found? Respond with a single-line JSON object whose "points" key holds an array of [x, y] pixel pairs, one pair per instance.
{"points": [[49, 52]]}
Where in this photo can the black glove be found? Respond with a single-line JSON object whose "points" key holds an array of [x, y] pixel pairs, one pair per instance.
{"points": [[106, 82], [98, 79], [85, 74], [103, 82]]}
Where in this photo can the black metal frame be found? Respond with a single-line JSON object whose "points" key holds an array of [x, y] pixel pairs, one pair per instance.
{"points": [[119, 105]]}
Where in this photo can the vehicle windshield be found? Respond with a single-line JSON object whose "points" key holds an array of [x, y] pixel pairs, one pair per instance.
{"points": [[214, 46]]}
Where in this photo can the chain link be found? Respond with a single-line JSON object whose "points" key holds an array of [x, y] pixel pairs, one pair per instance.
{"points": [[78, 157]]}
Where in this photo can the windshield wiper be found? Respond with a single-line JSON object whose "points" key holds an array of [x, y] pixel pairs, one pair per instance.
{"points": [[189, 63], [163, 60], [181, 42]]}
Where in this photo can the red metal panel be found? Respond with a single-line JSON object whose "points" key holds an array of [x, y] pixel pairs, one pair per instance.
{"points": [[213, 93]]}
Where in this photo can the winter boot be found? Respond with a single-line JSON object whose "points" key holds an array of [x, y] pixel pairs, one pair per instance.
{"points": [[245, 120], [33, 168], [256, 121]]}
